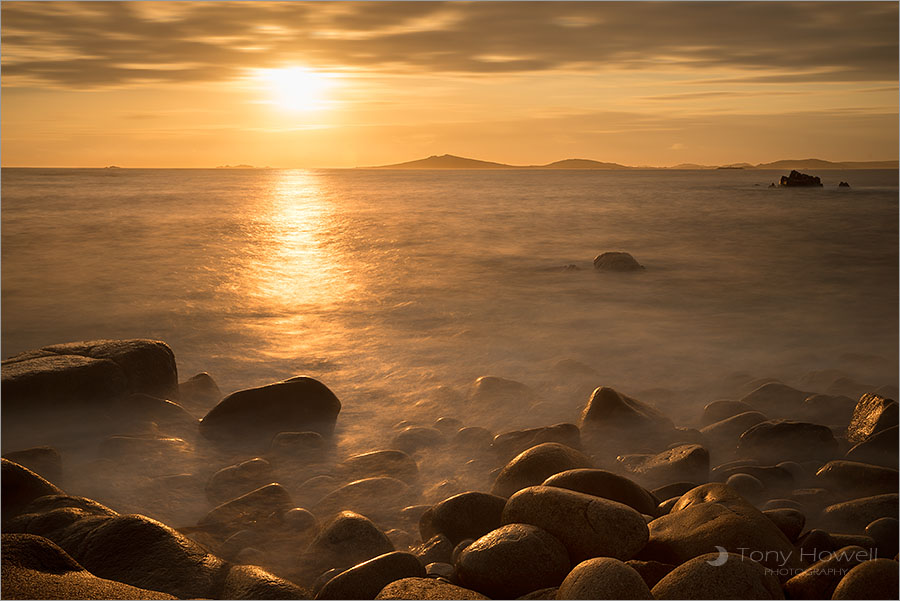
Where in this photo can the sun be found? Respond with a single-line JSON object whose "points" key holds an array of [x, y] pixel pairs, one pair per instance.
{"points": [[296, 88]]}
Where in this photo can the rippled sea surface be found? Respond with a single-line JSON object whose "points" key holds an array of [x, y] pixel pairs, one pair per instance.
{"points": [[387, 285]]}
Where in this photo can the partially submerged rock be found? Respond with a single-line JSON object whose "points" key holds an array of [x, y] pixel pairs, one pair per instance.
{"points": [[533, 466], [795, 178], [871, 415], [616, 261], [603, 578]]}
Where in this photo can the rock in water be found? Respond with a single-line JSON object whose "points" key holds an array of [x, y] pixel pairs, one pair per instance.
{"points": [[773, 441], [512, 561], [878, 449], [533, 466], [426, 588], [345, 541], [873, 579], [872, 414], [603, 578], [588, 526], [36, 568], [601, 483], [684, 463], [44, 461], [258, 414], [466, 515], [843, 185], [387, 463], [616, 261], [718, 576], [21, 486], [91, 372], [247, 509], [365, 580], [799, 179]]}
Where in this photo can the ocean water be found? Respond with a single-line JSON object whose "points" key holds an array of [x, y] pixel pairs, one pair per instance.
{"points": [[399, 288]]}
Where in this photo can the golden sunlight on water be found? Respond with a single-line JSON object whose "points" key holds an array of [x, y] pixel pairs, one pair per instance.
{"points": [[293, 278]]}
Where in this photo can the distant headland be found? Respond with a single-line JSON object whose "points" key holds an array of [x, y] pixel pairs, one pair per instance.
{"points": [[449, 161]]}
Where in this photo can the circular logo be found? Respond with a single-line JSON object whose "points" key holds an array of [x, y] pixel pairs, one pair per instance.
{"points": [[721, 559]]}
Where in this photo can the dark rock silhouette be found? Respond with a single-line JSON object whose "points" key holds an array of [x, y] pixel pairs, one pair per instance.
{"points": [[796, 179], [843, 185], [616, 261]]}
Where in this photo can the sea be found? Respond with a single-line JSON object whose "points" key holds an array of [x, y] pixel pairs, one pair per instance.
{"points": [[398, 288]]}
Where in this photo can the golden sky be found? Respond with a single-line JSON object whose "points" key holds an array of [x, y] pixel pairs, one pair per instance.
{"points": [[334, 84]]}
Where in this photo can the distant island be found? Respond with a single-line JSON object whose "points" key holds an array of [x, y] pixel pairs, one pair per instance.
{"points": [[235, 167], [449, 161]]}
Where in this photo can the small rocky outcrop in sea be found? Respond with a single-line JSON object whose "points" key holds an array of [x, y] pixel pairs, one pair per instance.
{"points": [[843, 185], [799, 179], [616, 261]]}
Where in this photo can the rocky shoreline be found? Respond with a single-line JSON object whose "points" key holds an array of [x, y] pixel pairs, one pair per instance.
{"points": [[781, 493]]}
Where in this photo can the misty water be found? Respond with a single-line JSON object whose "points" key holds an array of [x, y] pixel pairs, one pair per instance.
{"points": [[398, 288]]}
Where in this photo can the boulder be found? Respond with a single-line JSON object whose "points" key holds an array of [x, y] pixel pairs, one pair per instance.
{"points": [[492, 389], [850, 479], [36, 568], [873, 579], [827, 408], [790, 521], [426, 588], [345, 541], [776, 399], [365, 580], [20, 487], [853, 516], [719, 576], [534, 465], [603, 578], [886, 534], [601, 483], [297, 445], [253, 582], [416, 438], [513, 560], [775, 441], [878, 449], [542, 593], [775, 479], [871, 415], [588, 526], [713, 516], [616, 261], [438, 548], [612, 409], [254, 507], [820, 579], [92, 372], [389, 463], [689, 462], [651, 571], [747, 486], [379, 498], [716, 411], [797, 179], [473, 439], [448, 426], [843, 185], [509, 444], [235, 480], [466, 515], [43, 461], [723, 436], [199, 391], [258, 414]]}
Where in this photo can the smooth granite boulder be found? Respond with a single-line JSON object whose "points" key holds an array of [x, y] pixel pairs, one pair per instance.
{"points": [[878, 449], [588, 526], [871, 415], [257, 414], [199, 391], [616, 261], [466, 515], [851, 479], [513, 560], [235, 480], [492, 390], [426, 588], [36, 568], [246, 510], [687, 462], [717, 411], [509, 444], [790, 521], [603, 578], [534, 465], [886, 534], [820, 579], [771, 442], [712, 516], [379, 498], [20, 487], [873, 579], [724, 435], [718, 576], [88, 373], [367, 579], [253, 582], [345, 541], [853, 516], [610, 408], [601, 483], [776, 400], [388, 463]]}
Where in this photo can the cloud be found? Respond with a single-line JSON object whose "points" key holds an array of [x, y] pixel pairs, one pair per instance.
{"points": [[89, 45]]}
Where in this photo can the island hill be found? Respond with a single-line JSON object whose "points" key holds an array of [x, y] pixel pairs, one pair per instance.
{"points": [[449, 161]]}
